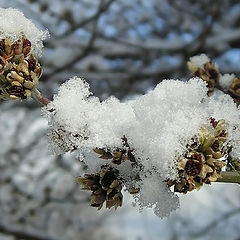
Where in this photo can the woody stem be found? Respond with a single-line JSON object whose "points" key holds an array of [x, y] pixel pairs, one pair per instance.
{"points": [[230, 177], [37, 96]]}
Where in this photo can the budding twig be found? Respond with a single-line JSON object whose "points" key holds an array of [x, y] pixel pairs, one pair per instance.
{"points": [[230, 177], [37, 95]]}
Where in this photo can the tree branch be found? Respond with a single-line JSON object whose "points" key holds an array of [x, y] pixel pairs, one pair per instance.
{"points": [[37, 96], [230, 177], [102, 8]]}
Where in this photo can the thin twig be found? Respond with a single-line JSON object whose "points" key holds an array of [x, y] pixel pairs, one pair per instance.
{"points": [[82, 54], [102, 8], [37, 95], [230, 177]]}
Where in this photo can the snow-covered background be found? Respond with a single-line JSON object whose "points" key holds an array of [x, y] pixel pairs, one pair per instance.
{"points": [[123, 48]]}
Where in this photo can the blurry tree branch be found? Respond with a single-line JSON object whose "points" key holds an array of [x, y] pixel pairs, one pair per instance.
{"points": [[87, 48], [176, 45], [103, 6], [210, 226], [135, 50], [20, 233]]}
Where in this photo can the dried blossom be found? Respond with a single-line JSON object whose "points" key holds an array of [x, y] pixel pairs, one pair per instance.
{"points": [[105, 186], [202, 164], [118, 155], [234, 89]]}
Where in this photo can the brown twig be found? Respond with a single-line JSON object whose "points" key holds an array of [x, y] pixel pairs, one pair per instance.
{"points": [[37, 95]]}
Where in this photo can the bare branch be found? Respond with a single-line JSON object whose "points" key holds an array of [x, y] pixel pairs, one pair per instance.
{"points": [[36, 95], [102, 8], [83, 54], [230, 177]]}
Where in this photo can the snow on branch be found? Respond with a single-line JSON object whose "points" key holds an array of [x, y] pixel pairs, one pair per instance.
{"points": [[173, 136]]}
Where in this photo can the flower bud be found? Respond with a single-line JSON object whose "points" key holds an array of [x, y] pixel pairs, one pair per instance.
{"points": [[208, 72], [105, 187], [19, 69], [202, 163]]}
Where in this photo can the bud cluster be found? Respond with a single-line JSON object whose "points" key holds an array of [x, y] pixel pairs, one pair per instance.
{"points": [[118, 155], [209, 73], [105, 186], [202, 162], [234, 89], [19, 69]]}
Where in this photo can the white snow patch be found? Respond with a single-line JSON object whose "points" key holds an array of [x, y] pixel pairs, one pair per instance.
{"points": [[225, 80], [13, 24], [155, 194], [199, 60]]}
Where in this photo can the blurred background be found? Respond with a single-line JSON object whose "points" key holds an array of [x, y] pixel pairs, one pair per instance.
{"points": [[123, 48]]}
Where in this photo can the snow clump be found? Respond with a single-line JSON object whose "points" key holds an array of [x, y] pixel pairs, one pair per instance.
{"points": [[225, 80], [13, 24], [200, 60]]}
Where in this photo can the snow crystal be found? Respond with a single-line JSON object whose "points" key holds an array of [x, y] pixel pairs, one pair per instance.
{"points": [[226, 80], [158, 126], [13, 24], [200, 60]]}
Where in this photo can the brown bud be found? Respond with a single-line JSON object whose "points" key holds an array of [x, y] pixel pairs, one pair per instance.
{"points": [[19, 69], [193, 167]]}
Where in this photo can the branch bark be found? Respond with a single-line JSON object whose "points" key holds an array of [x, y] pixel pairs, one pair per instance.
{"points": [[37, 96], [230, 177]]}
